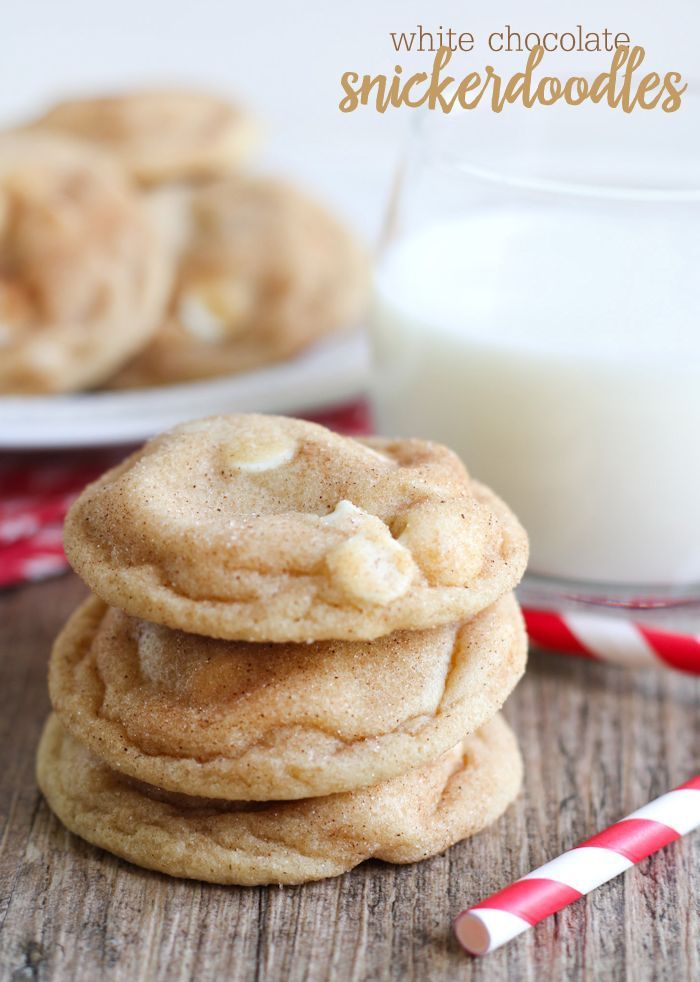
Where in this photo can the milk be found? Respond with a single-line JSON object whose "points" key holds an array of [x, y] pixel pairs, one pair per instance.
{"points": [[556, 348]]}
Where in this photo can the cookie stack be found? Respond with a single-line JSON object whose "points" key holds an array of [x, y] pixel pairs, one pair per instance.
{"points": [[293, 658]]}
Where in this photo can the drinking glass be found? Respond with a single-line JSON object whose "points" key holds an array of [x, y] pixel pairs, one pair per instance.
{"points": [[537, 308]]}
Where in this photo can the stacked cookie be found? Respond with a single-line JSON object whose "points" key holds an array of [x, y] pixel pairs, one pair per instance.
{"points": [[293, 658]]}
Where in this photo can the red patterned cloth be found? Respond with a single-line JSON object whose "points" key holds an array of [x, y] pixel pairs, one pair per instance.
{"points": [[37, 489]]}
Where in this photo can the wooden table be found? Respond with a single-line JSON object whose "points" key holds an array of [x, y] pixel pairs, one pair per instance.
{"points": [[597, 743]]}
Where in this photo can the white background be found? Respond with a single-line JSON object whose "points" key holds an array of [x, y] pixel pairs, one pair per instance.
{"points": [[285, 59]]}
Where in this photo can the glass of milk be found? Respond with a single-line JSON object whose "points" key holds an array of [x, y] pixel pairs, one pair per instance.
{"points": [[537, 308]]}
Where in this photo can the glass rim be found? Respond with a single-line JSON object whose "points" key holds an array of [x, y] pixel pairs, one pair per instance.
{"points": [[537, 587], [581, 189], [573, 188]]}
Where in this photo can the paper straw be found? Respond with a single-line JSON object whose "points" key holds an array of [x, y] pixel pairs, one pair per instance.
{"points": [[506, 914], [613, 639]]}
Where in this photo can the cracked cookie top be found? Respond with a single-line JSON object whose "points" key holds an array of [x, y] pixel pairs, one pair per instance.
{"points": [[236, 720], [159, 136], [263, 528]]}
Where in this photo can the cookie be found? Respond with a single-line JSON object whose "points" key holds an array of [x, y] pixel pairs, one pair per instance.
{"points": [[234, 720], [159, 136], [401, 821], [264, 273], [263, 528], [83, 275]]}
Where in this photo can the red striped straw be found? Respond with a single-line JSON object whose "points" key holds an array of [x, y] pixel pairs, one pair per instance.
{"points": [[612, 639], [506, 914]]}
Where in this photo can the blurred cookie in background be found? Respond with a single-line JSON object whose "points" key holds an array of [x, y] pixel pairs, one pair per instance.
{"points": [[160, 135], [230, 272], [265, 271], [83, 273]]}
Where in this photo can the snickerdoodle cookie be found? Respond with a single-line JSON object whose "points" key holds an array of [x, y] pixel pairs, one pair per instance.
{"points": [[264, 271], [262, 528], [83, 274], [159, 135], [403, 820], [235, 720]]}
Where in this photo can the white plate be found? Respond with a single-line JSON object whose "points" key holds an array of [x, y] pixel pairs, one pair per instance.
{"points": [[322, 377]]}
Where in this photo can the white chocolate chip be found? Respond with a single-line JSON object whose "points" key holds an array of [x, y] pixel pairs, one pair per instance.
{"points": [[371, 569], [345, 515], [447, 543], [215, 308], [199, 320], [265, 454], [370, 566]]}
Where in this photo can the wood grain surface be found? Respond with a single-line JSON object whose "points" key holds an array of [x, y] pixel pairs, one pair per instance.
{"points": [[597, 742]]}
